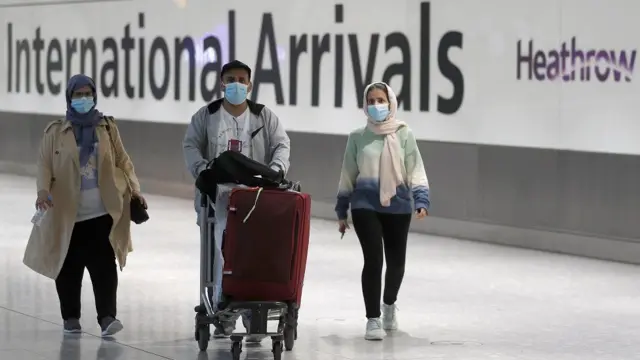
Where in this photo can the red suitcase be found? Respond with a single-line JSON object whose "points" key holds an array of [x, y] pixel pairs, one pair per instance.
{"points": [[266, 244]]}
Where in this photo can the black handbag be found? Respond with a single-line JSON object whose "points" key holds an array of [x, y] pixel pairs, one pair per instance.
{"points": [[137, 209]]}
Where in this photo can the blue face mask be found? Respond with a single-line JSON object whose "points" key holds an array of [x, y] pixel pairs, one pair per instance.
{"points": [[235, 93], [82, 105], [378, 112]]}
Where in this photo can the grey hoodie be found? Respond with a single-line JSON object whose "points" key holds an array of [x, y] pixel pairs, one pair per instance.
{"points": [[207, 137]]}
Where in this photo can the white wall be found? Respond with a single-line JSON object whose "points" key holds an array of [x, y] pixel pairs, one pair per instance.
{"points": [[490, 105]]}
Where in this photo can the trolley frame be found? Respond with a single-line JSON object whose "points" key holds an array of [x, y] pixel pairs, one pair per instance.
{"points": [[286, 313]]}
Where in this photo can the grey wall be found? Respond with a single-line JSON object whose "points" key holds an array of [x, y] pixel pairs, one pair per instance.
{"points": [[577, 203]]}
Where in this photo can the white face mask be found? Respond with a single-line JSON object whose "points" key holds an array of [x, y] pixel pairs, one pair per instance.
{"points": [[82, 105], [379, 112], [235, 93]]}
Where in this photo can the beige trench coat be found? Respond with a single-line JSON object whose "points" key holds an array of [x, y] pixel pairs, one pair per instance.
{"points": [[59, 173]]}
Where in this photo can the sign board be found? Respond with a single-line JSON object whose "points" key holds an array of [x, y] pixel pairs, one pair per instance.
{"points": [[528, 73]]}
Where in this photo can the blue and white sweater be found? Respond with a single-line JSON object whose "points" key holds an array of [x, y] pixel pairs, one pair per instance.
{"points": [[359, 180]]}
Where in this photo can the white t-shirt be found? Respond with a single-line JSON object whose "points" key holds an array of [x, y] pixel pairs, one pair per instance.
{"points": [[91, 205], [238, 129]]}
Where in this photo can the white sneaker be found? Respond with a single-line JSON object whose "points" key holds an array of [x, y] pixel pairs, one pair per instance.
{"points": [[374, 330], [225, 328], [389, 317], [220, 333], [246, 321]]}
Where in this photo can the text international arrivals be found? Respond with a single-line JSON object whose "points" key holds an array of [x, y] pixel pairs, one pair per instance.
{"points": [[111, 66]]}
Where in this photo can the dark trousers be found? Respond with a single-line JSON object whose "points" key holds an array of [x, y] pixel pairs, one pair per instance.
{"points": [[90, 248], [381, 236]]}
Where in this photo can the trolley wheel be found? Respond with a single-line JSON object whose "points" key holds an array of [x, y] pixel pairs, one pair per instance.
{"points": [[236, 350], [292, 320], [203, 335], [277, 350], [199, 325], [289, 337]]}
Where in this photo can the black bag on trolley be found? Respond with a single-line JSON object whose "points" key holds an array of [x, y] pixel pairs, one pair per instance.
{"points": [[232, 167]]}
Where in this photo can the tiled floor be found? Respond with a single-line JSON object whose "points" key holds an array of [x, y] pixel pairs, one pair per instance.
{"points": [[460, 300]]}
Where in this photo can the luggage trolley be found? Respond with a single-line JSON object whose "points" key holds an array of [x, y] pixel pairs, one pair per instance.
{"points": [[286, 313]]}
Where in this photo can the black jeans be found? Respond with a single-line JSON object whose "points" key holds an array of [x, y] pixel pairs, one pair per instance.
{"points": [[381, 235], [90, 248]]}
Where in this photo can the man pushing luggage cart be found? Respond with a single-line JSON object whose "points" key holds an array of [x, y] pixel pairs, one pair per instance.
{"points": [[238, 125]]}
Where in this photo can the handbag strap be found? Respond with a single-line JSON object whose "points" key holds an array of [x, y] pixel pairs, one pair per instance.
{"points": [[109, 120]]}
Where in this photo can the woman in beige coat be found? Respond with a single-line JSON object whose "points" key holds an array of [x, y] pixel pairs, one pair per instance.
{"points": [[85, 182]]}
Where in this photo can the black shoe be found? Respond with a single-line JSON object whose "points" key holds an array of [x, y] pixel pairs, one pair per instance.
{"points": [[110, 326], [72, 326]]}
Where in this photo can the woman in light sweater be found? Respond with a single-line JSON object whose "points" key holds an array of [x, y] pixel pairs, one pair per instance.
{"points": [[382, 170]]}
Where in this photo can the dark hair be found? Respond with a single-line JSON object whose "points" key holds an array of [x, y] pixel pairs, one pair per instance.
{"points": [[235, 64], [379, 86]]}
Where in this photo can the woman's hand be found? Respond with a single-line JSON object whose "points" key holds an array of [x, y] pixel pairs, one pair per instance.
{"points": [[421, 213], [137, 195], [43, 202], [343, 226]]}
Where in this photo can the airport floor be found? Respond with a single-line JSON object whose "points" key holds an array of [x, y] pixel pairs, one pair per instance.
{"points": [[460, 299]]}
